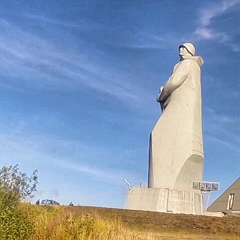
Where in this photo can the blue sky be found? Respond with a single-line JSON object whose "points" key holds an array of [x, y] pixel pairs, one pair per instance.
{"points": [[78, 87]]}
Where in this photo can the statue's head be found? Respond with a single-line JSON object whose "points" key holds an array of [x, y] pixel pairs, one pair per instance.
{"points": [[186, 49]]}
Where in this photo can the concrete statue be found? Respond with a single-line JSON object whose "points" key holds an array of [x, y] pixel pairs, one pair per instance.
{"points": [[176, 143]]}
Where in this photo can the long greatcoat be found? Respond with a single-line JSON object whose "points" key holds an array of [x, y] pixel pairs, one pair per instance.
{"points": [[176, 145]]}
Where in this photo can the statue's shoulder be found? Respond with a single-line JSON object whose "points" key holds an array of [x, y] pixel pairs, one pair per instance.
{"points": [[193, 60]]}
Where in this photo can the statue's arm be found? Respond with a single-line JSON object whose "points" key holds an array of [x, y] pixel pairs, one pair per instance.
{"points": [[175, 81]]}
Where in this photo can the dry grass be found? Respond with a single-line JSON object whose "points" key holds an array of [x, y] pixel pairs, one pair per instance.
{"points": [[57, 223], [89, 223]]}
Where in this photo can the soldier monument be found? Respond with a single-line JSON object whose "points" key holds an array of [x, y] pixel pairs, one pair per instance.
{"points": [[176, 143]]}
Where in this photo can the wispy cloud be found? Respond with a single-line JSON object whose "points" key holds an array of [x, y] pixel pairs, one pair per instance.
{"points": [[146, 40], [59, 160], [13, 88], [223, 143], [219, 125], [38, 150], [85, 24], [26, 56], [204, 30]]}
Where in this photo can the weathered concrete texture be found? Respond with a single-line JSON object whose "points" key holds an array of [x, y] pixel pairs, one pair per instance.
{"points": [[176, 145], [165, 200]]}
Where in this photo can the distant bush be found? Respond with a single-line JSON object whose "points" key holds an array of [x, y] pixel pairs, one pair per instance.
{"points": [[14, 186]]}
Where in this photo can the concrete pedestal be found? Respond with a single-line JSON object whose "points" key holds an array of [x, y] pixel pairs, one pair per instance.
{"points": [[165, 200]]}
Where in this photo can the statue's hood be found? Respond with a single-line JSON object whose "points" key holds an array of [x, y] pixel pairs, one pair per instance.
{"points": [[197, 59]]}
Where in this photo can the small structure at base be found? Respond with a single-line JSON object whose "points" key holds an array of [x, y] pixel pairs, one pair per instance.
{"points": [[229, 201], [165, 200]]}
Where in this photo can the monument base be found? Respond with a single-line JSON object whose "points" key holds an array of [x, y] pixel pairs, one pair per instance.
{"points": [[165, 200]]}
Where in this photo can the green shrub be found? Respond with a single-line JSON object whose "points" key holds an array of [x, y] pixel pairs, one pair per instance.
{"points": [[18, 183], [15, 223]]}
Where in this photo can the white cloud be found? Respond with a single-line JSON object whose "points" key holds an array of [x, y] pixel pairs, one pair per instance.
{"points": [[13, 88], [204, 30], [204, 33], [24, 56], [146, 40], [223, 143], [84, 25], [208, 14], [222, 129], [40, 151]]}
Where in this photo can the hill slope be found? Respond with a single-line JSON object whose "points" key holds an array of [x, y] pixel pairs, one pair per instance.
{"points": [[158, 223]]}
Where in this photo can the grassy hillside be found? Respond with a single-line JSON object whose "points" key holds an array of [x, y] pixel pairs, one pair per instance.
{"points": [[154, 221], [67, 223]]}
